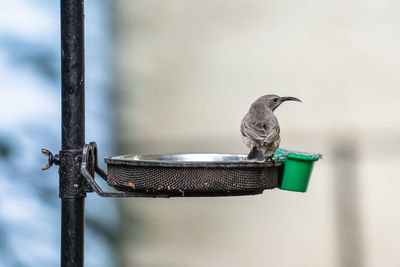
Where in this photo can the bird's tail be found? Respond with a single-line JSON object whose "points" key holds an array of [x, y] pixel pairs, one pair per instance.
{"points": [[256, 155]]}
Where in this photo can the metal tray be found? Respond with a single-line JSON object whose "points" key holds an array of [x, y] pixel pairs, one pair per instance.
{"points": [[196, 174]]}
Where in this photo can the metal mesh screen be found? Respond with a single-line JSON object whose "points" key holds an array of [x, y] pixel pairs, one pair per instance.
{"points": [[192, 181]]}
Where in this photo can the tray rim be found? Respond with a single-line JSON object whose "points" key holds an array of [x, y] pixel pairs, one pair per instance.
{"points": [[187, 164]]}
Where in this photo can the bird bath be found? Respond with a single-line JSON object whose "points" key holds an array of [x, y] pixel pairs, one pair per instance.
{"points": [[196, 174]]}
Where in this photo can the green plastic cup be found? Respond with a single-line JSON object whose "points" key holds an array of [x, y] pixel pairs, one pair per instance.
{"points": [[297, 169]]}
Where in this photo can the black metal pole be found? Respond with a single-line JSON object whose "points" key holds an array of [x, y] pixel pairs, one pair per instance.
{"points": [[72, 187]]}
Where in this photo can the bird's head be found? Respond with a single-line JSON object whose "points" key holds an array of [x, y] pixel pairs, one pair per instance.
{"points": [[273, 101]]}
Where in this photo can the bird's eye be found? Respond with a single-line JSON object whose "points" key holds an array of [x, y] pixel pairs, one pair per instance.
{"points": [[275, 99]]}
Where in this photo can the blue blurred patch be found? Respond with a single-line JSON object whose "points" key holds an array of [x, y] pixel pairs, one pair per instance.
{"points": [[30, 119]]}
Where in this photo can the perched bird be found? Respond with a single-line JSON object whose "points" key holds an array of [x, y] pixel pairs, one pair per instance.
{"points": [[260, 128]]}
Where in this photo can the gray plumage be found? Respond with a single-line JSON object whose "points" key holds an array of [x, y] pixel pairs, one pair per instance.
{"points": [[260, 128]]}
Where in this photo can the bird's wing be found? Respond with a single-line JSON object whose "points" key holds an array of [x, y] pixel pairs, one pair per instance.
{"points": [[261, 133], [273, 134]]}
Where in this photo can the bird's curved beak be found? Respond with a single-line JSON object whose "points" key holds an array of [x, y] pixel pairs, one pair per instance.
{"points": [[290, 98]]}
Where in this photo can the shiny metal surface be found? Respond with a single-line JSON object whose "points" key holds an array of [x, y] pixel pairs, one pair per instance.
{"points": [[189, 159], [200, 157]]}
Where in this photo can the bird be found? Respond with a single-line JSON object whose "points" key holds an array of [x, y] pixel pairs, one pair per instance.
{"points": [[260, 128]]}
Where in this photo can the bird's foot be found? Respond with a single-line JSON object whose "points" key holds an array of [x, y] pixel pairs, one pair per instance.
{"points": [[272, 160]]}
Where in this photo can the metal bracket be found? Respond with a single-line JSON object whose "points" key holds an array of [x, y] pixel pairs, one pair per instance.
{"points": [[90, 166], [71, 183]]}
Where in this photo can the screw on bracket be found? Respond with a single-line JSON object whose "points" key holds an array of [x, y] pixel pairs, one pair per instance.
{"points": [[52, 159]]}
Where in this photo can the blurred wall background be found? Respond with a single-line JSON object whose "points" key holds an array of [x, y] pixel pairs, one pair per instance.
{"points": [[187, 71]]}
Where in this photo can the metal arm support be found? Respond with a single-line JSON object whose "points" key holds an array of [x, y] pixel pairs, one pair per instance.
{"points": [[90, 166]]}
